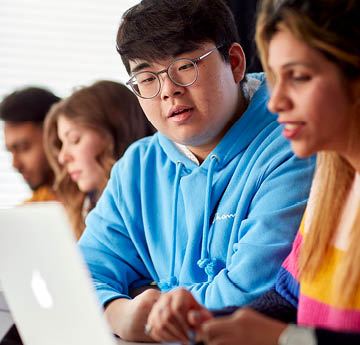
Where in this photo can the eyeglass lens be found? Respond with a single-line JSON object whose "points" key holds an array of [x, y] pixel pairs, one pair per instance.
{"points": [[182, 72]]}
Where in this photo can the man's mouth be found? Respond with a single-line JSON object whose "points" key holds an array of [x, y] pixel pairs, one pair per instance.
{"points": [[179, 112]]}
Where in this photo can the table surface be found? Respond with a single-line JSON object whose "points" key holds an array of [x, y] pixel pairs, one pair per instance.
{"points": [[123, 342]]}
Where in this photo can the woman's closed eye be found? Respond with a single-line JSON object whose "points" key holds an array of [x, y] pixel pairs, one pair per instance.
{"points": [[299, 76], [74, 139]]}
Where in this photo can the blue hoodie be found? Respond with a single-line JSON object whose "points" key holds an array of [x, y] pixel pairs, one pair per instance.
{"points": [[221, 229]]}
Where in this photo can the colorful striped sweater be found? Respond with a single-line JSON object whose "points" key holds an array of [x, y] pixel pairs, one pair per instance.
{"points": [[316, 302]]}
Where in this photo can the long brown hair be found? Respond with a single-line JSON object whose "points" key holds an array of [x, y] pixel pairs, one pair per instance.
{"points": [[332, 28], [110, 109]]}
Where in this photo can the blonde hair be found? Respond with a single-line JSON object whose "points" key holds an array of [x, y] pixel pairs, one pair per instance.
{"points": [[332, 28], [110, 109]]}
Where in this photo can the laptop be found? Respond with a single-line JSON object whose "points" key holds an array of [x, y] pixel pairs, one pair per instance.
{"points": [[5, 317], [45, 280]]}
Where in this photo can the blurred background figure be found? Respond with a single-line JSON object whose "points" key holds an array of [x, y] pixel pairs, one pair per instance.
{"points": [[23, 112], [84, 135]]}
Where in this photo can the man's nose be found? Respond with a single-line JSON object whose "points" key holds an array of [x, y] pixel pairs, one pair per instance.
{"points": [[169, 88]]}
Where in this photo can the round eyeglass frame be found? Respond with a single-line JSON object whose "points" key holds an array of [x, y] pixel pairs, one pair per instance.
{"points": [[166, 70]]}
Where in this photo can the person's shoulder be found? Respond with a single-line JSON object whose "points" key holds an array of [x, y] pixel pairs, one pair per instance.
{"points": [[43, 193]]}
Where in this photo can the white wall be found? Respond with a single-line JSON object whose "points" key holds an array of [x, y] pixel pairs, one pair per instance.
{"points": [[58, 45]]}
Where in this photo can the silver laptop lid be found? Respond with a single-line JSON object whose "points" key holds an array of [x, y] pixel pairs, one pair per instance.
{"points": [[45, 281]]}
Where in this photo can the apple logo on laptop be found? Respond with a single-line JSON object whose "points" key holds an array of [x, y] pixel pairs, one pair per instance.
{"points": [[41, 291]]}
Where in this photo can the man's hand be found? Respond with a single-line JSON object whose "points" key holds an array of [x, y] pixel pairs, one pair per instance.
{"points": [[127, 318], [169, 317]]}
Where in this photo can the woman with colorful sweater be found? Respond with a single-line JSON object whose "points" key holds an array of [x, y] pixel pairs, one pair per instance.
{"points": [[311, 53]]}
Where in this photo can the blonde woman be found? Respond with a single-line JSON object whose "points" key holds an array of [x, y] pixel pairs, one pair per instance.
{"points": [[311, 53], [84, 135]]}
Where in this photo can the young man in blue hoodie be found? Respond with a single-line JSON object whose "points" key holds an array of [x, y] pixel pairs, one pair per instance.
{"points": [[211, 202]]}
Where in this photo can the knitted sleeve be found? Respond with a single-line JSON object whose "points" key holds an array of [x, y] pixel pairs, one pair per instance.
{"points": [[274, 305], [270, 304]]}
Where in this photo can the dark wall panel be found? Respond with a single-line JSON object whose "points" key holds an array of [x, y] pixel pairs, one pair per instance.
{"points": [[245, 16]]}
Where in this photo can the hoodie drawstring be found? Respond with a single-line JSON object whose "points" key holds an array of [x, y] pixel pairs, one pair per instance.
{"points": [[167, 284], [211, 266]]}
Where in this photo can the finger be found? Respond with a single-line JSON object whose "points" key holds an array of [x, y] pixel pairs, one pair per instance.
{"points": [[216, 327], [197, 317], [164, 335], [176, 309], [180, 306], [149, 295], [164, 324], [169, 321], [183, 302]]}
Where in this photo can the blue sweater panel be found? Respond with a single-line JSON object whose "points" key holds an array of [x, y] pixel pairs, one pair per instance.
{"points": [[220, 230]]}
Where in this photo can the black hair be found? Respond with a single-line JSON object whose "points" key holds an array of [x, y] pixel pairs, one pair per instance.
{"points": [[29, 104], [159, 29]]}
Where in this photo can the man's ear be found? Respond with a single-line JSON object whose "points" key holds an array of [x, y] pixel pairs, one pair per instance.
{"points": [[237, 62]]}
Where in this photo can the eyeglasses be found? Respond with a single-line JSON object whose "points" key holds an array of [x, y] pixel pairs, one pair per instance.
{"points": [[182, 72]]}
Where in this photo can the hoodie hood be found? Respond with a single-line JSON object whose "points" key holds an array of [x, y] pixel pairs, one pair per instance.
{"points": [[239, 136]]}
